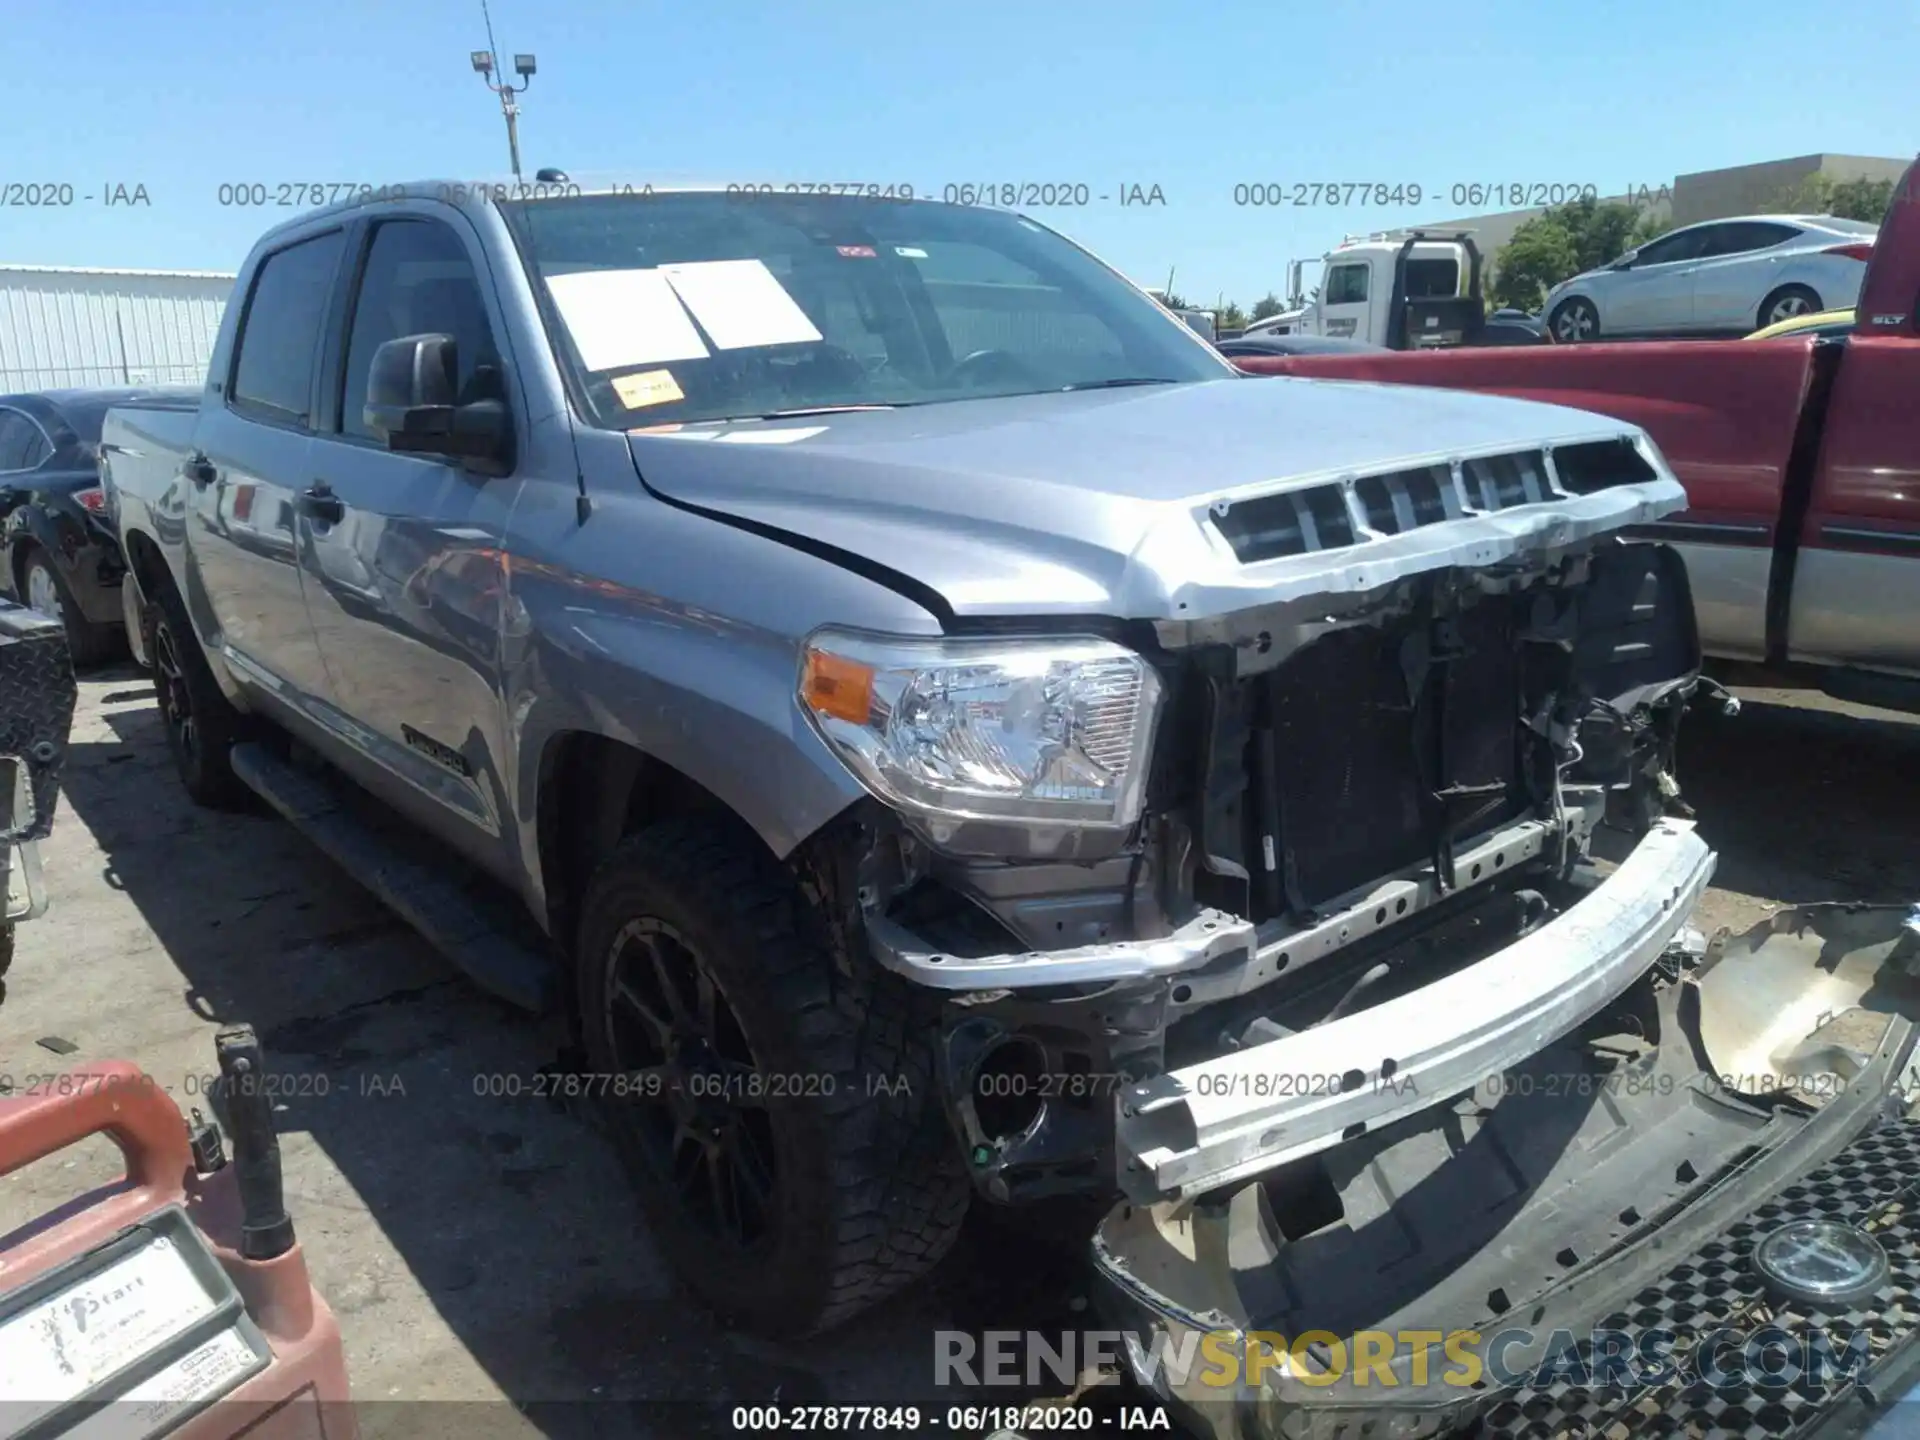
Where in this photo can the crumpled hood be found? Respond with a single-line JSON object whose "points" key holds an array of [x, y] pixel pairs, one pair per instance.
{"points": [[1096, 502]]}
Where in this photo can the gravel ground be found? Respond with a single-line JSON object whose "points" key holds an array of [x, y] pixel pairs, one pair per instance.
{"points": [[483, 1247]]}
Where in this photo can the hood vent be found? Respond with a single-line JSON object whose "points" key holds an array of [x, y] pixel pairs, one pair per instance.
{"points": [[1601, 465], [1292, 523], [1332, 517]]}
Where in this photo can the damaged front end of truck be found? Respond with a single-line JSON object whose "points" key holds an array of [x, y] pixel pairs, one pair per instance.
{"points": [[1361, 880], [1367, 1032]]}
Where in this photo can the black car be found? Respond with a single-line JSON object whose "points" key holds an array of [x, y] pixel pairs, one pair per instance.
{"points": [[57, 549], [1262, 344]]}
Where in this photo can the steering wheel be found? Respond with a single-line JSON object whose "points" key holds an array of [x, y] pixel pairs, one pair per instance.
{"points": [[985, 366]]}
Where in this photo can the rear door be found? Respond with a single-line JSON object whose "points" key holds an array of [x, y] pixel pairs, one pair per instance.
{"points": [[1347, 300], [254, 443], [405, 574], [1738, 267], [1654, 296]]}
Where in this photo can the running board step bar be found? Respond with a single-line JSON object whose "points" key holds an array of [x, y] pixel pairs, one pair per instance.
{"points": [[452, 921]]}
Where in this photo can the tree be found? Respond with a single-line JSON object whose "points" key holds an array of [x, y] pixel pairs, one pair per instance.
{"points": [[1563, 241], [1539, 256], [1267, 305], [1821, 194], [1229, 316]]}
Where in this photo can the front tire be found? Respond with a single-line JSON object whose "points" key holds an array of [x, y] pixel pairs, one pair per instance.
{"points": [[779, 1115], [1574, 321], [201, 723], [1787, 302]]}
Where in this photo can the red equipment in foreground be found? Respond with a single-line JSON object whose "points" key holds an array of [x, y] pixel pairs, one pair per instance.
{"points": [[176, 1300]]}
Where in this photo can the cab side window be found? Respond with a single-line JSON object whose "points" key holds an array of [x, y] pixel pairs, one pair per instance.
{"points": [[418, 280], [280, 333], [1346, 284]]}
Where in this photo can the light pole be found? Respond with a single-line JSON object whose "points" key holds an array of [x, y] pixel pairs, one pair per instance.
{"points": [[523, 66]]}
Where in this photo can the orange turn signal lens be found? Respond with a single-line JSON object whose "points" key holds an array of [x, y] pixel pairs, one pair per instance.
{"points": [[834, 685]]}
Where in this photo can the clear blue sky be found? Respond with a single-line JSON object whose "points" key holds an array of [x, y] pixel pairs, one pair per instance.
{"points": [[183, 96]]}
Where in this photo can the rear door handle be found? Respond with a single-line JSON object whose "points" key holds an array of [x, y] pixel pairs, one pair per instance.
{"points": [[198, 469], [318, 502]]}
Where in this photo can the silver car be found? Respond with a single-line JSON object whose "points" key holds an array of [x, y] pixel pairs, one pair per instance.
{"points": [[1721, 277]]}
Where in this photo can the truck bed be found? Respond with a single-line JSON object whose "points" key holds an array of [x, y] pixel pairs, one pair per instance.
{"points": [[142, 446]]}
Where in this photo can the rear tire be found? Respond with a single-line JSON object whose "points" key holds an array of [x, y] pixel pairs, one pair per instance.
{"points": [[791, 1211], [1574, 321], [201, 723], [43, 587], [1787, 302]]}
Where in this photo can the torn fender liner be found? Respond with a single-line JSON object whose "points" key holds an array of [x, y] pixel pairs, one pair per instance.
{"points": [[1796, 1004], [1234, 1116]]}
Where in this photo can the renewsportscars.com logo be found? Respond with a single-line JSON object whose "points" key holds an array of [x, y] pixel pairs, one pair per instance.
{"points": [[1723, 1358]]}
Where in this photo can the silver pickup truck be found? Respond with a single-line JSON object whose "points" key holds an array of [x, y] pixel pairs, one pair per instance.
{"points": [[950, 736]]}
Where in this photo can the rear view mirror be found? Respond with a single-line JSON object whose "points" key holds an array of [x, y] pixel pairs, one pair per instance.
{"points": [[1625, 262], [413, 401]]}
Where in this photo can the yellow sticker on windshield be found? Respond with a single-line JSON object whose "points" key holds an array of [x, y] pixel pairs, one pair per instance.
{"points": [[649, 387]]}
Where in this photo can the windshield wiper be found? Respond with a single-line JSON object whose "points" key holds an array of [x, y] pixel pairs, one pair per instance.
{"points": [[1120, 382], [811, 410]]}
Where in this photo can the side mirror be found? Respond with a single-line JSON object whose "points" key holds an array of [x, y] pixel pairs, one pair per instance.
{"points": [[413, 401], [1625, 262]]}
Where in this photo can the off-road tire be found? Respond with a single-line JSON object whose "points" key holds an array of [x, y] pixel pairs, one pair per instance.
{"points": [[205, 768], [87, 643], [871, 1188]]}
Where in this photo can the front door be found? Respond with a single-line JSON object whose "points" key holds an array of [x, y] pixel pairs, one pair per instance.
{"points": [[405, 575], [239, 487], [1655, 295], [1347, 301]]}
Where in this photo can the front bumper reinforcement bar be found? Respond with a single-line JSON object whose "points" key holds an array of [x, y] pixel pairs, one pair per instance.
{"points": [[1228, 1118]]}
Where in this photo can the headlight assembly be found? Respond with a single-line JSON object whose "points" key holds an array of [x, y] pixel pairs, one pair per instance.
{"points": [[1049, 731]]}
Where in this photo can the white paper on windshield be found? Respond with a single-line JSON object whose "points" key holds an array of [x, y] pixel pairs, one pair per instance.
{"points": [[625, 317], [71, 1341], [740, 303]]}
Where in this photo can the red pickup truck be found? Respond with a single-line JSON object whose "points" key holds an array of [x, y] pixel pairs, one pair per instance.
{"points": [[1801, 460]]}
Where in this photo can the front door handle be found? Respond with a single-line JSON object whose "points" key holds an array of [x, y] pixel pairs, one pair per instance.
{"points": [[199, 469], [318, 502]]}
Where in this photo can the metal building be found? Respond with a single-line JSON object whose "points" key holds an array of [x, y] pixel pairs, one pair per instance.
{"points": [[68, 327]]}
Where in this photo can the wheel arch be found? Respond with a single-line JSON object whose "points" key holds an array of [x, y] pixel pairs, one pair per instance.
{"points": [[592, 790], [1819, 301], [145, 560]]}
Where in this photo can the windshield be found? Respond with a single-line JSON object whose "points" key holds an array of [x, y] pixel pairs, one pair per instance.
{"points": [[710, 306]]}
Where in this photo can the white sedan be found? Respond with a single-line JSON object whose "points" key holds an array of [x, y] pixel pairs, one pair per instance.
{"points": [[1722, 277]]}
